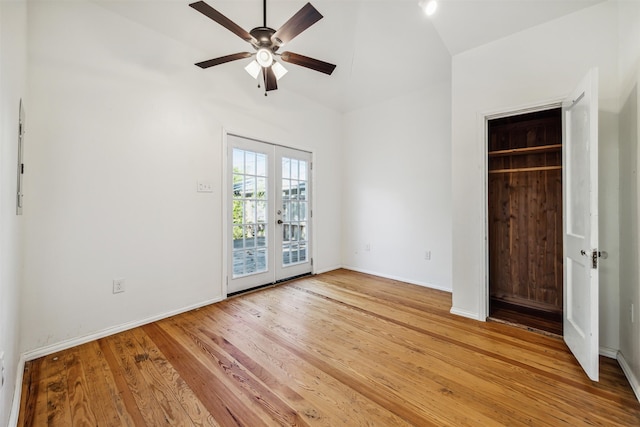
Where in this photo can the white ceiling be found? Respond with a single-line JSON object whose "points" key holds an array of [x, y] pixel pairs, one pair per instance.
{"points": [[382, 48]]}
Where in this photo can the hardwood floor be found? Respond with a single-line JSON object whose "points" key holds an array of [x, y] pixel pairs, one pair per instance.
{"points": [[535, 320], [341, 348]]}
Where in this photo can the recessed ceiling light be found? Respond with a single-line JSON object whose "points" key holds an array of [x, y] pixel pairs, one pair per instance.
{"points": [[429, 6]]}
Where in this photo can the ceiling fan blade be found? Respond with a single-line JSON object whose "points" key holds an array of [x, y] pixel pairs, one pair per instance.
{"points": [[223, 59], [210, 12], [270, 81], [305, 61], [303, 19]]}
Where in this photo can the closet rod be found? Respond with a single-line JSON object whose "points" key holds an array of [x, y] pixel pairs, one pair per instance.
{"points": [[532, 169]]}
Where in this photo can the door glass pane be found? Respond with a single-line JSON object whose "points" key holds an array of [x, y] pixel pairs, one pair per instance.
{"points": [[261, 236], [294, 212], [261, 188], [286, 168], [303, 171], [238, 161], [250, 214], [286, 188], [261, 211], [261, 164]]}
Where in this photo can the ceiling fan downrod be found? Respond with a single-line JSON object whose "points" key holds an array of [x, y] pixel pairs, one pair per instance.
{"points": [[264, 13]]}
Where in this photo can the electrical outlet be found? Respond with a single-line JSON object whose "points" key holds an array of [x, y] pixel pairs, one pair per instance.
{"points": [[367, 247], [118, 286], [427, 255]]}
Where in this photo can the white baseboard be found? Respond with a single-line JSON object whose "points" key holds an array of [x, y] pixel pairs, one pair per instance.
{"points": [[400, 279], [328, 269], [17, 394], [465, 313], [63, 345], [608, 352], [633, 380]]}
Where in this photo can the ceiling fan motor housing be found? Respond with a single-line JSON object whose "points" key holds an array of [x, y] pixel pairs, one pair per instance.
{"points": [[262, 36]]}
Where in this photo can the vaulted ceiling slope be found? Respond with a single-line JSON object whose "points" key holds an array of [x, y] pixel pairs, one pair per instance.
{"points": [[383, 48]]}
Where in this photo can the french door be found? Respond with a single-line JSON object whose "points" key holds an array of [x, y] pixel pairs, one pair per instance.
{"points": [[269, 200]]}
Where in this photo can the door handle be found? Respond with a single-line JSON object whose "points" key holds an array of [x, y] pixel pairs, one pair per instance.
{"points": [[583, 252], [279, 222]]}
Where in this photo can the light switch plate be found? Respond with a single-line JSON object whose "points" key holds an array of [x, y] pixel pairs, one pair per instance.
{"points": [[205, 187]]}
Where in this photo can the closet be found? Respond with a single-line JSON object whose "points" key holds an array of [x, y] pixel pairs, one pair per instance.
{"points": [[525, 220]]}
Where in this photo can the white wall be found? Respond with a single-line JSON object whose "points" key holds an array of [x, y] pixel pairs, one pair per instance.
{"points": [[122, 127], [396, 192], [12, 88], [629, 37], [531, 67]]}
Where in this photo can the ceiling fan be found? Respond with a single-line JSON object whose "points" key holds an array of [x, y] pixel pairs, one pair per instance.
{"points": [[266, 41]]}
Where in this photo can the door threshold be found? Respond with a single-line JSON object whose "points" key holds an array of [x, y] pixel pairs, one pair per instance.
{"points": [[526, 327], [267, 285]]}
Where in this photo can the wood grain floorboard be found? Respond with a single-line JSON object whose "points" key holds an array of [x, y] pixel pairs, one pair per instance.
{"points": [[337, 349]]}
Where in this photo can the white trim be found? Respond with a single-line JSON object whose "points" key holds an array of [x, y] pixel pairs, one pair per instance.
{"points": [[608, 352], [225, 211], [66, 344], [328, 269], [483, 131], [312, 206], [628, 372], [400, 279], [17, 394], [467, 314], [246, 135], [483, 139]]}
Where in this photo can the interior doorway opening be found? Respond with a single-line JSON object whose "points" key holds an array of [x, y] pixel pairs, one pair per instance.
{"points": [[525, 223]]}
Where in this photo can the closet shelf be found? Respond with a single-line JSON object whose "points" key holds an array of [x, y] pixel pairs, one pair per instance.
{"points": [[527, 150], [531, 169]]}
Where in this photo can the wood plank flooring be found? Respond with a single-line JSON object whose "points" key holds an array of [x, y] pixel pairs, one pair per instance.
{"points": [[337, 349]]}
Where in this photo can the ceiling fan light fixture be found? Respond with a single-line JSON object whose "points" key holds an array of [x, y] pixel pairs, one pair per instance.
{"points": [[264, 57], [429, 6], [267, 41], [253, 69], [278, 70]]}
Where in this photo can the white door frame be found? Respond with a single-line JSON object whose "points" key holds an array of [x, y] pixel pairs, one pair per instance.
{"points": [[483, 135], [225, 200]]}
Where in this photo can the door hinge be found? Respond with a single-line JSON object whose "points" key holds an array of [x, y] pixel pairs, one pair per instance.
{"points": [[312, 262], [594, 259]]}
